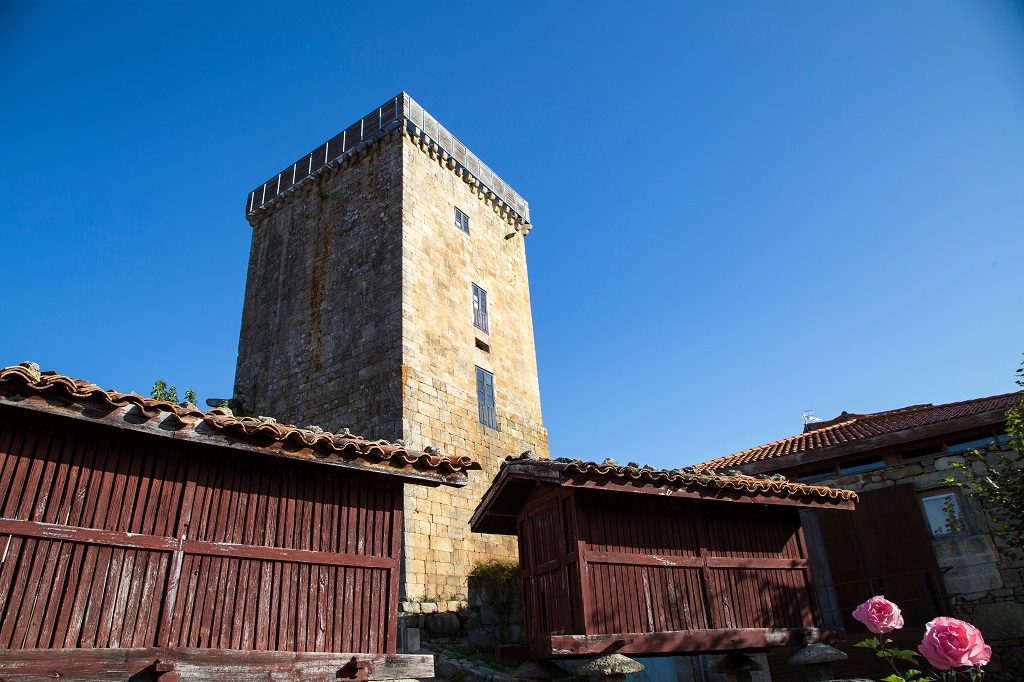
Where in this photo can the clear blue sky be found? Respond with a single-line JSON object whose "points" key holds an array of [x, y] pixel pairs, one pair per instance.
{"points": [[742, 210]]}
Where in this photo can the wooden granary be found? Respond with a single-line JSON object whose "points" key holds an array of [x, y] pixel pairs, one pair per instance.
{"points": [[640, 561], [149, 540]]}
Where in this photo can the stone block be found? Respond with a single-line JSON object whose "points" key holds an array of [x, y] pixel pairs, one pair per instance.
{"points": [[489, 615], [972, 580], [965, 551], [1011, 577], [481, 638], [998, 621], [408, 640], [443, 623]]}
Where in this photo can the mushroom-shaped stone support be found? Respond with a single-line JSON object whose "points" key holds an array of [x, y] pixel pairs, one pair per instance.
{"points": [[817, 660], [535, 671], [736, 667], [611, 668]]}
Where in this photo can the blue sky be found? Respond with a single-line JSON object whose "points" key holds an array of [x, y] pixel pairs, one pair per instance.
{"points": [[742, 210]]}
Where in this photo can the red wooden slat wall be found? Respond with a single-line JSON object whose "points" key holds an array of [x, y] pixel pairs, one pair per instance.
{"points": [[113, 539], [656, 565]]}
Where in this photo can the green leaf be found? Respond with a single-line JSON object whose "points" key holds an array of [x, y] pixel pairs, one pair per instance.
{"points": [[893, 678], [869, 643]]}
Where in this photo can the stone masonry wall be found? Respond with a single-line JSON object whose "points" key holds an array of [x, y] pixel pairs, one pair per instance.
{"points": [[984, 581], [440, 356], [358, 314], [321, 325]]}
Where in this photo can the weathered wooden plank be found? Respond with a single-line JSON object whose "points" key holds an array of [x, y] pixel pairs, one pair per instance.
{"points": [[99, 665], [704, 641], [169, 631], [395, 533]]}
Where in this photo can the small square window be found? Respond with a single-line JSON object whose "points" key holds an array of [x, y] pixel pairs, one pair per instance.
{"points": [[480, 320], [944, 513], [485, 398], [461, 220]]}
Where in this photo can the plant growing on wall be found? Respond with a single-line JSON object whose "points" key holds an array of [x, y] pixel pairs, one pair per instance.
{"points": [[1001, 483], [501, 581], [161, 391]]}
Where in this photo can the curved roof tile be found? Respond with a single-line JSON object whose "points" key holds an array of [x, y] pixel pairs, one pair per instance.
{"points": [[26, 379], [689, 477], [849, 427]]}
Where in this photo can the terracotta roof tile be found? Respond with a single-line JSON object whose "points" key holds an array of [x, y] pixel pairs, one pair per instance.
{"points": [[849, 427], [26, 380], [689, 477]]}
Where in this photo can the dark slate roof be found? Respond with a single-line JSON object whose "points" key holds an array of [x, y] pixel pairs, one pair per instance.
{"points": [[848, 428], [25, 386]]}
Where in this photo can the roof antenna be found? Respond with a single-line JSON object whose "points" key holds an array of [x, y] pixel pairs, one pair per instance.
{"points": [[809, 418]]}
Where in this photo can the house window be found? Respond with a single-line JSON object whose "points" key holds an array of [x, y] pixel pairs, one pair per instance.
{"points": [[944, 513], [480, 310], [461, 220], [858, 465], [970, 443], [814, 474], [485, 398], [918, 453]]}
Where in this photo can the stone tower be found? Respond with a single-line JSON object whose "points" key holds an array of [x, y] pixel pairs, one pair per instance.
{"points": [[387, 293]]}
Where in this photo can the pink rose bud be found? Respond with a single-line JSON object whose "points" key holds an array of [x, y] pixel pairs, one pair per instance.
{"points": [[951, 643], [879, 615]]}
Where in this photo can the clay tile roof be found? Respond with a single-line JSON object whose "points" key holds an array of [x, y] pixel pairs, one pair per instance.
{"points": [[849, 427], [511, 488], [689, 477], [26, 386]]}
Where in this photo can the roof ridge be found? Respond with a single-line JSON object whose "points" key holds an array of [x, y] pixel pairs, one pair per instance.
{"points": [[870, 428], [774, 442], [342, 442], [684, 476]]}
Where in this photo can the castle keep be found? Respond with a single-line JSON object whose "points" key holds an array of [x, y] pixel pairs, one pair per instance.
{"points": [[387, 294]]}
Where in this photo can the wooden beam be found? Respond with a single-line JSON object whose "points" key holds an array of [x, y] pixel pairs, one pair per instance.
{"points": [[626, 559], [166, 425], [170, 664], [694, 641], [110, 538]]}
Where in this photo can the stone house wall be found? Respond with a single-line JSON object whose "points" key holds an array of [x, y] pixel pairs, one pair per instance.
{"points": [[321, 337], [983, 580]]}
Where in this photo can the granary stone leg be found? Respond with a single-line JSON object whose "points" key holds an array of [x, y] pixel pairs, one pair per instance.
{"points": [[611, 668], [817, 661], [736, 667], [538, 671]]}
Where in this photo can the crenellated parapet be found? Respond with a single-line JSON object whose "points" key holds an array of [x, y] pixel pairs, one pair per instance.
{"points": [[400, 115]]}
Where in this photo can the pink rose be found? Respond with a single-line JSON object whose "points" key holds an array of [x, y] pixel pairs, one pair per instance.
{"points": [[951, 643], [879, 614]]}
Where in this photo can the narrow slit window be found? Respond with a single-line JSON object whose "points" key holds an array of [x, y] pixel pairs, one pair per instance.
{"points": [[461, 220], [485, 398], [970, 443], [859, 465], [480, 320]]}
